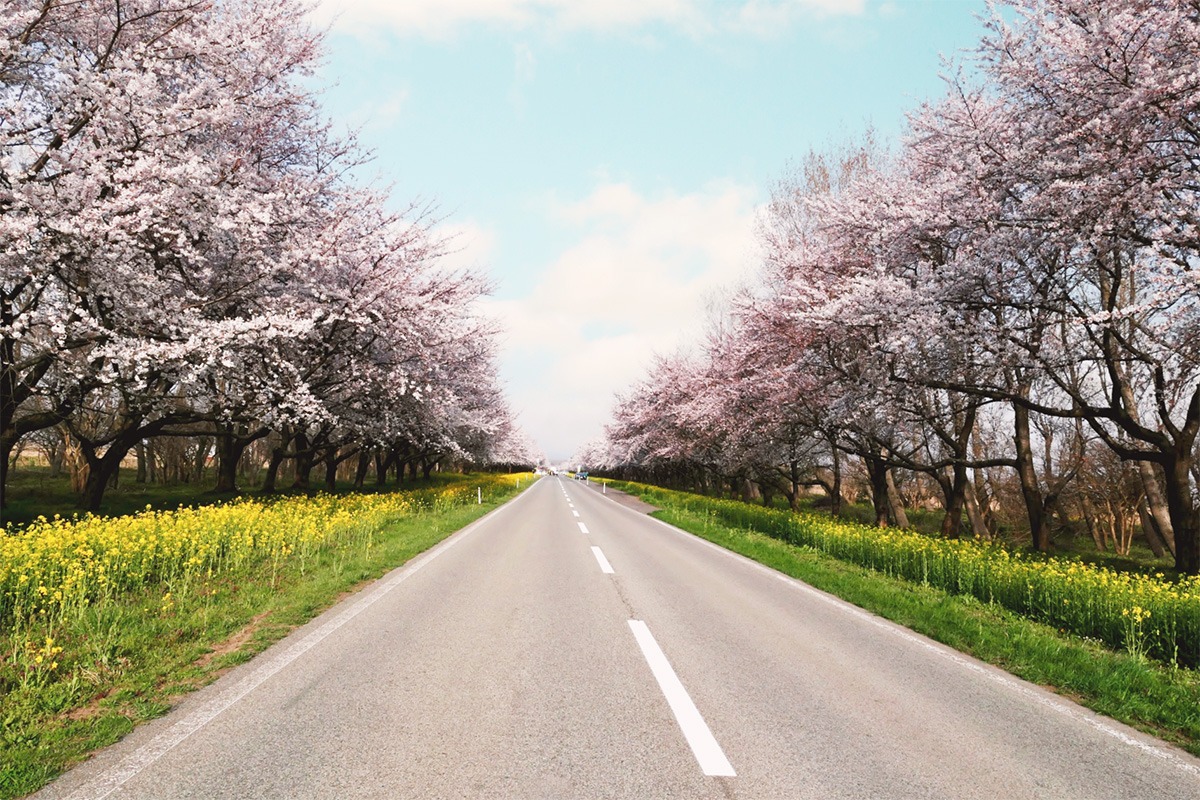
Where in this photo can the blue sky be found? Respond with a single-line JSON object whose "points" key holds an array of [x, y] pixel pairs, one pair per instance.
{"points": [[604, 160]]}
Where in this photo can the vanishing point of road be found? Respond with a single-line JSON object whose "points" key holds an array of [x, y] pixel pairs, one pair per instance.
{"points": [[568, 646]]}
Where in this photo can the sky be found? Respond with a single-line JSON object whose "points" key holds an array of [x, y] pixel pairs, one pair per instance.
{"points": [[605, 161]]}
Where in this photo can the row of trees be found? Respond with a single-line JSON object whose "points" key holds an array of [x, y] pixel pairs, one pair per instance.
{"points": [[183, 253], [1007, 306]]}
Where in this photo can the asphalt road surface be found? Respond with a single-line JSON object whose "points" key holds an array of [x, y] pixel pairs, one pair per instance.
{"points": [[565, 646]]}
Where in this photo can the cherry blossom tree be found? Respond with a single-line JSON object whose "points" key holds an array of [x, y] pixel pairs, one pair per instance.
{"points": [[1030, 253], [1081, 155], [182, 251], [147, 178]]}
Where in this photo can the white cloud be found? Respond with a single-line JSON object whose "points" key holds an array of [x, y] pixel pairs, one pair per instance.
{"points": [[634, 281], [607, 14], [524, 71], [469, 245], [440, 18], [380, 114], [770, 17], [640, 263], [525, 64], [424, 17]]}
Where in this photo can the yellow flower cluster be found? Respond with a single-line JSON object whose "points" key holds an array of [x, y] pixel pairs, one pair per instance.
{"points": [[55, 568], [36, 661], [1144, 614], [44, 655]]}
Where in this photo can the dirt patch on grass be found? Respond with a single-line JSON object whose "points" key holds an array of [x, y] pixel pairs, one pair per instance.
{"points": [[234, 642], [89, 711], [95, 708]]}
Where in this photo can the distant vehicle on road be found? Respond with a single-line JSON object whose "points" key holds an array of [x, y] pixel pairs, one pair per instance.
{"points": [[581, 476]]}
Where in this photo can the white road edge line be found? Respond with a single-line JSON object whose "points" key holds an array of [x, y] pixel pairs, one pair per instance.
{"points": [[260, 669], [1037, 694], [582, 528], [605, 567], [704, 746]]}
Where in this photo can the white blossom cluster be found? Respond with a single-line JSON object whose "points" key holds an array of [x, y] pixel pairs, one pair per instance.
{"points": [[1027, 260], [180, 247]]}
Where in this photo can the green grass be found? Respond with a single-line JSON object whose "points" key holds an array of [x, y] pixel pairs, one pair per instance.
{"points": [[1159, 699], [133, 659]]}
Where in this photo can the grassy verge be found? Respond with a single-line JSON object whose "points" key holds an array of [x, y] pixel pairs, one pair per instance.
{"points": [[1159, 699], [129, 660]]}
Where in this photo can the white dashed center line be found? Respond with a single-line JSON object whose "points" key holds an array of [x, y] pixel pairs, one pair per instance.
{"points": [[605, 567], [704, 745]]}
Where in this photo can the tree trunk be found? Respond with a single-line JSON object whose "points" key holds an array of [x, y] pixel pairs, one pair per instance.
{"points": [[140, 451], [56, 459], [304, 464], [1030, 491], [382, 465], [1160, 515], [94, 486], [794, 479], [364, 464], [793, 499], [331, 463], [979, 526], [77, 467], [955, 500], [1150, 529], [877, 472], [6, 445], [14, 457], [203, 445], [835, 501], [895, 504], [983, 494], [230, 448], [1120, 535], [1183, 514], [1089, 520], [278, 454], [151, 462], [103, 469]]}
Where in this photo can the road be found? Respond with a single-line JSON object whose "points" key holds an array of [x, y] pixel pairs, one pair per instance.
{"points": [[566, 646]]}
